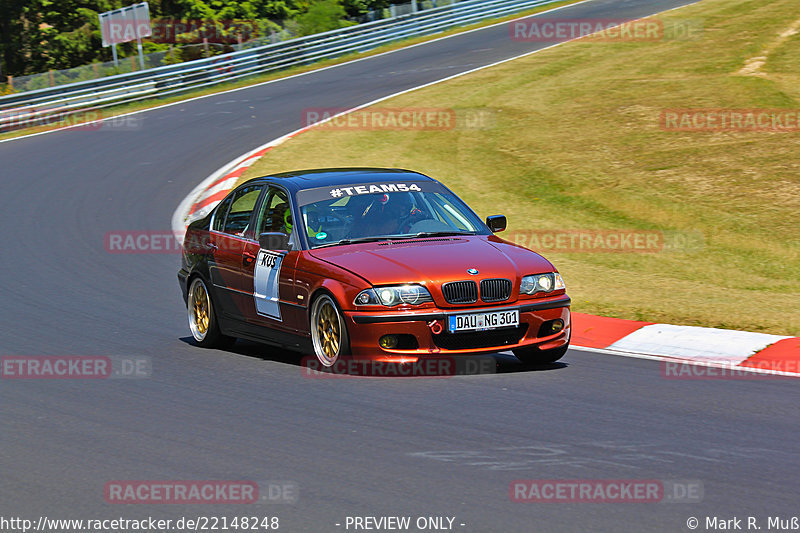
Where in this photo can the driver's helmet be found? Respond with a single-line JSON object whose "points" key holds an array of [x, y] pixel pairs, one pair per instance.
{"points": [[395, 206], [287, 221], [389, 213]]}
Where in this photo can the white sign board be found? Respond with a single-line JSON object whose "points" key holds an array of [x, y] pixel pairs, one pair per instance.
{"points": [[127, 24]]}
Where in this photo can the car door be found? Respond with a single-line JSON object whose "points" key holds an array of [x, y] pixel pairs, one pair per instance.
{"points": [[231, 225], [269, 274]]}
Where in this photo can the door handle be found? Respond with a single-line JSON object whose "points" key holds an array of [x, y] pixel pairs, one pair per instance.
{"points": [[248, 257]]}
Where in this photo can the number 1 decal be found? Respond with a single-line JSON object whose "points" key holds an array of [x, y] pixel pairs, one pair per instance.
{"points": [[265, 279]]}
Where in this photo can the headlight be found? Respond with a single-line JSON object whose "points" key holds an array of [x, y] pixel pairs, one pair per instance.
{"points": [[549, 282], [396, 295]]}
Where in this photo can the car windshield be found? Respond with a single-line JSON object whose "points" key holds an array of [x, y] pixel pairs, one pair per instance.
{"points": [[360, 213]]}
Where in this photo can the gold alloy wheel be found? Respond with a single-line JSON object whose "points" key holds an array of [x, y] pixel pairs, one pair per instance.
{"points": [[199, 310], [327, 330]]}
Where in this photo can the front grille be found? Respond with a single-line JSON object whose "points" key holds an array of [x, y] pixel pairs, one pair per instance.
{"points": [[460, 292], [473, 340], [495, 290]]}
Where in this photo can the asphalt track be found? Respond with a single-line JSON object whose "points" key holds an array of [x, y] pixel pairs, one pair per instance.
{"points": [[355, 447]]}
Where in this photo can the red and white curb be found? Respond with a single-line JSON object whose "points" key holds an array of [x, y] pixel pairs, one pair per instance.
{"points": [[214, 188], [706, 347]]}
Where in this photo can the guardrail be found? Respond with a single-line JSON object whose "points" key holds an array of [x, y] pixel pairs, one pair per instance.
{"points": [[42, 105]]}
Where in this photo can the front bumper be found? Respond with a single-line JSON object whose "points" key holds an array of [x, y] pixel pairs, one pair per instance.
{"points": [[366, 329]]}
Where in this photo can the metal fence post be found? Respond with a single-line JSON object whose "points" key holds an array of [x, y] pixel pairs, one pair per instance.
{"points": [[139, 47]]}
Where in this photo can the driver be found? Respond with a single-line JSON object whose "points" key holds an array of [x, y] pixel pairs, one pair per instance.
{"points": [[389, 214]]}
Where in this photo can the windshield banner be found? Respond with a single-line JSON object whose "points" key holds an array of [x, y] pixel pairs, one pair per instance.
{"points": [[310, 196]]}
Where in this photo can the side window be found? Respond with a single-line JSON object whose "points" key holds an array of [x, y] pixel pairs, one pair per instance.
{"points": [[275, 214], [219, 216], [242, 204]]}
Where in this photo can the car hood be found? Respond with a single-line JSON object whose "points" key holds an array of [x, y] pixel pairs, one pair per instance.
{"points": [[435, 260]]}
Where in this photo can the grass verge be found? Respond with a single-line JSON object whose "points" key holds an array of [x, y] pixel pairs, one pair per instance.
{"points": [[575, 142]]}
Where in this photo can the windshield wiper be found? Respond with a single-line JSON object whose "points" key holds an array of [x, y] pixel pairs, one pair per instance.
{"points": [[353, 241], [395, 237], [440, 234]]}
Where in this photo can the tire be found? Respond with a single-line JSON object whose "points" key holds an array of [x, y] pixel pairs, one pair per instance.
{"points": [[535, 356], [328, 330], [203, 317]]}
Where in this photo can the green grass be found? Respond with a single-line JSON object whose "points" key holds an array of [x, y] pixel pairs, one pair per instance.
{"points": [[576, 144], [261, 78]]}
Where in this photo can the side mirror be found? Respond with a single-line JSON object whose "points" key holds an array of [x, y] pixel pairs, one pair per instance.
{"points": [[496, 223], [273, 241]]}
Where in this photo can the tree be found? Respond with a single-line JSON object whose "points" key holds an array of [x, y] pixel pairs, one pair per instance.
{"points": [[38, 35], [323, 15], [356, 8]]}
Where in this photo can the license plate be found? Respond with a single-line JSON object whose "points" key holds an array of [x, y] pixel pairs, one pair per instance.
{"points": [[483, 321]]}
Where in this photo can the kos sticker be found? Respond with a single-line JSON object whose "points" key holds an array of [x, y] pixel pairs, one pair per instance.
{"points": [[265, 283], [267, 259]]}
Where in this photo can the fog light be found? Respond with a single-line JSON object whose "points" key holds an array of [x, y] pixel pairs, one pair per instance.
{"points": [[388, 342], [556, 326]]}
